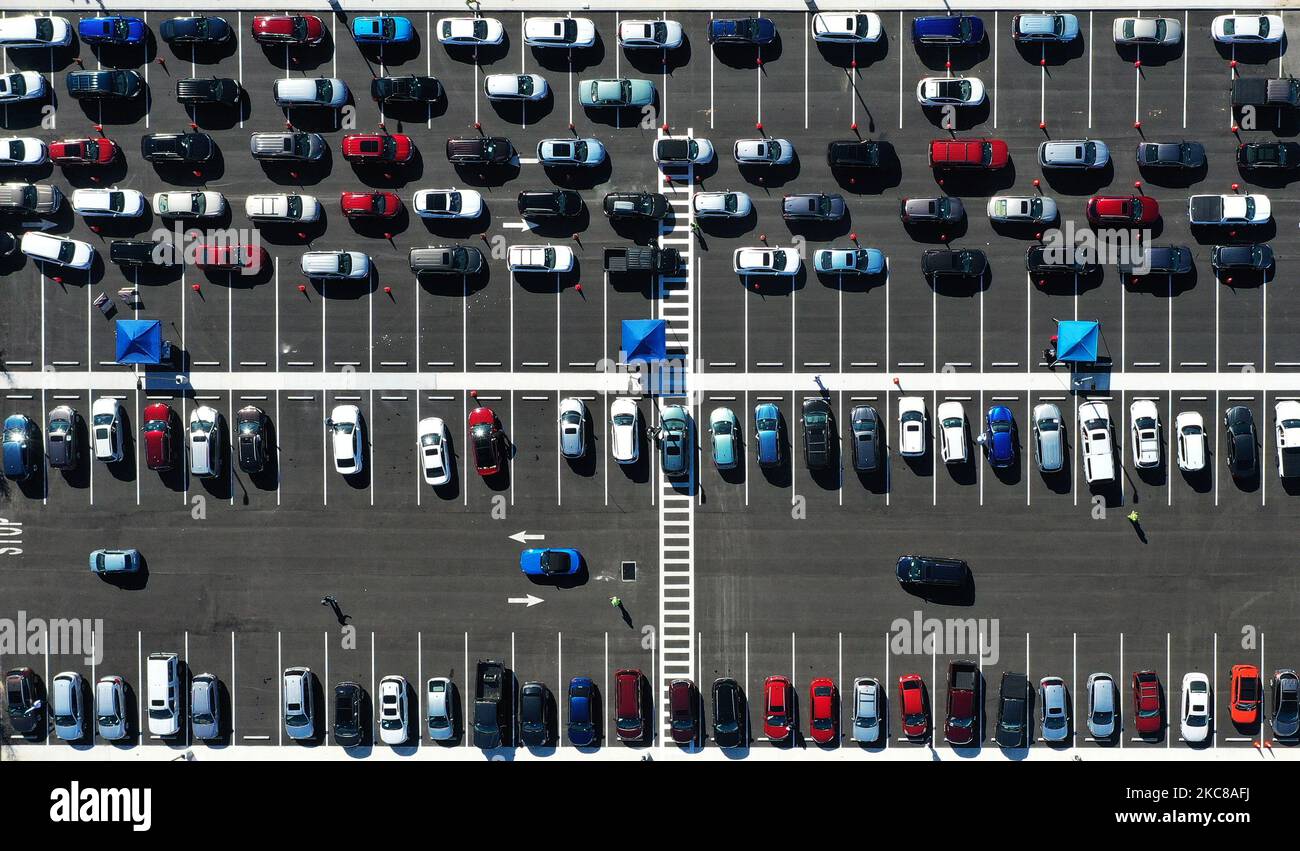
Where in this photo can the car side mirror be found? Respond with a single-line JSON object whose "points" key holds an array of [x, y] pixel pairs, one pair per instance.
{"points": [[37, 704]]}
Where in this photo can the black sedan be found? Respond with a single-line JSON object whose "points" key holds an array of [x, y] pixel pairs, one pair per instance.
{"points": [[1239, 425]]}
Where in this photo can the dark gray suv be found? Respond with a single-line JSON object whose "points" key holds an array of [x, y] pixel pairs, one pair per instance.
{"points": [[867, 439], [812, 206]]}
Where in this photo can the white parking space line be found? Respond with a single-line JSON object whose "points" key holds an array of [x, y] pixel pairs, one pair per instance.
{"points": [[1186, 49], [1090, 45], [900, 74]]}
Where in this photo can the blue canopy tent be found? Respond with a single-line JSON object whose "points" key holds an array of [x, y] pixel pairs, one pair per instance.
{"points": [[644, 340], [139, 341], [1076, 342]]}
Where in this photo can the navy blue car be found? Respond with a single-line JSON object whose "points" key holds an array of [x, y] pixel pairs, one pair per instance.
{"points": [[113, 29], [741, 31], [201, 29], [582, 721], [21, 441], [947, 29], [1000, 436]]}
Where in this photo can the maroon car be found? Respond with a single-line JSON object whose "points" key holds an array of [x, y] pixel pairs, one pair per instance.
{"points": [[158, 439], [682, 703], [963, 691]]}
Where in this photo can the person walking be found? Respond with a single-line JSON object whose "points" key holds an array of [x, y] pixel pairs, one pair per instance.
{"points": [[1133, 517], [616, 602]]}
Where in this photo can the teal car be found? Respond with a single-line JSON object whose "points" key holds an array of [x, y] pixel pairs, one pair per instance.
{"points": [[767, 434], [616, 93], [114, 561], [675, 441], [724, 430]]}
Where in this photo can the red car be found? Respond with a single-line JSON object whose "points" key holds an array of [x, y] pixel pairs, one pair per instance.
{"points": [[83, 151], [968, 153], [288, 29], [378, 147], [1146, 702], [158, 440], [1122, 210], [1244, 695], [776, 709], [824, 725], [358, 205], [229, 257], [963, 704], [916, 712], [485, 434], [681, 702]]}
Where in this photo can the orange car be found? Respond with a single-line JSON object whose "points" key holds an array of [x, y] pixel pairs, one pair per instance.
{"points": [[1244, 694]]}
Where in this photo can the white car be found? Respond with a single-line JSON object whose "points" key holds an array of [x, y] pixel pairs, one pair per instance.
{"points": [[21, 85], [22, 150], [435, 454], [327, 265], [763, 151], [952, 432], [107, 429], [205, 442], [559, 32], [34, 31], [393, 717], [957, 91], [515, 87], [108, 202], [911, 426], [283, 208], [1147, 31], [310, 91], [1095, 438], [345, 432], [470, 32], [189, 205], [663, 34], [1247, 29], [62, 250], [680, 151], [540, 258], [1286, 424], [1192, 448], [1197, 708], [625, 430], [1144, 426], [448, 203], [722, 205], [766, 261], [1035, 209], [846, 27], [562, 152]]}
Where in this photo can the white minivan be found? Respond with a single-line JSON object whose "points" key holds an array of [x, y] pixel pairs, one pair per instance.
{"points": [[348, 265], [163, 683], [310, 91]]}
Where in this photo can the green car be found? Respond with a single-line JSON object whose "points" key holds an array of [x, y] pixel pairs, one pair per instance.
{"points": [[616, 93], [724, 430]]}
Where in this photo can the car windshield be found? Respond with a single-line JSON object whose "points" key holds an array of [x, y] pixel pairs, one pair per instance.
{"points": [[343, 428], [103, 419], [431, 439], [722, 427]]}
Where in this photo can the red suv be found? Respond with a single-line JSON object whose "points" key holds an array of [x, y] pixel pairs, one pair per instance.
{"points": [[824, 725], [682, 702], [378, 147], [357, 205], [631, 720], [288, 29], [776, 709], [158, 440], [915, 708], [1122, 210], [968, 153], [83, 151], [1146, 702], [485, 435], [230, 257]]}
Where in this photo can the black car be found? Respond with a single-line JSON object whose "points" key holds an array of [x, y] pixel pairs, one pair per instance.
{"points": [[1285, 701], [480, 150], [636, 205], [1254, 257], [853, 154], [728, 713], [550, 203], [117, 83], [923, 573], [1170, 154], [812, 206], [349, 700], [1161, 260], [1280, 155], [816, 423], [177, 147], [139, 252], [8, 243], [217, 90], [941, 210], [1239, 424], [413, 88], [202, 29], [25, 707], [950, 262], [865, 424], [1013, 711], [534, 714], [1042, 259], [250, 436]]}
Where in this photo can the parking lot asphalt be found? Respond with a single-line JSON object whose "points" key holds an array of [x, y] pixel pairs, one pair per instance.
{"points": [[791, 572]]}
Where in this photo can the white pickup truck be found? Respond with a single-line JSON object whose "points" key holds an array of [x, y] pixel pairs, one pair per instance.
{"points": [[1228, 209], [1095, 437]]}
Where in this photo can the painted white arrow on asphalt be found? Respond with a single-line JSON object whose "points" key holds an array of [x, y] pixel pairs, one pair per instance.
{"points": [[528, 601], [516, 225], [523, 537]]}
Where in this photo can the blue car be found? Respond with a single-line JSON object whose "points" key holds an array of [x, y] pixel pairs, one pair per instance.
{"points": [[114, 29], [741, 31], [382, 29], [582, 724], [114, 561], [1000, 436], [947, 29], [675, 441], [21, 441], [767, 425], [550, 562]]}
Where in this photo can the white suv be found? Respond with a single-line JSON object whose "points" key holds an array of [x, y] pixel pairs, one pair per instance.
{"points": [[1144, 425], [952, 425], [1098, 448], [205, 442], [106, 417], [1192, 451], [911, 426]]}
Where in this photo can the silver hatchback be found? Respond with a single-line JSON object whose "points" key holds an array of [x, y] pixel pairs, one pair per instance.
{"points": [[573, 428], [1049, 438], [110, 708], [205, 707]]}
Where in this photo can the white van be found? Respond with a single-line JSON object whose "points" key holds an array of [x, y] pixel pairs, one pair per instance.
{"points": [[353, 265], [309, 91], [1098, 447], [162, 675]]}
